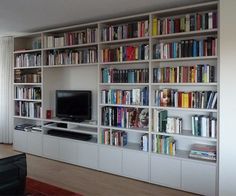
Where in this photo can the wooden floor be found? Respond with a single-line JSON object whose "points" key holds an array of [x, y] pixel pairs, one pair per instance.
{"points": [[86, 181]]}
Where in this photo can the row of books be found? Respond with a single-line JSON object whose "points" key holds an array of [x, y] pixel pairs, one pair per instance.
{"points": [[186, 48], [144, 142], [135, 96], [125, 31], [205, 126], [166, 124], [125, 117], [71, 38], [28, 109], [36, 43], [114, 138], [202, 73], [111, 75], [163, 144], [27, 76], [192, 99], [28, 93], [203, 151], [28, 60], [125, 53], [58, 57], [184, 23]]}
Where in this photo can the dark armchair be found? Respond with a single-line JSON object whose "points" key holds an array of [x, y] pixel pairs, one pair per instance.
{"points": [[13, 171]]}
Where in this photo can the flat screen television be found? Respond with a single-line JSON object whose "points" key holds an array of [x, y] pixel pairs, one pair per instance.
{"points": [[74, 105]]}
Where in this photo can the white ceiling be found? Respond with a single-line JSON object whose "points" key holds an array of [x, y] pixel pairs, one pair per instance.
{"points": [[23, 16]]}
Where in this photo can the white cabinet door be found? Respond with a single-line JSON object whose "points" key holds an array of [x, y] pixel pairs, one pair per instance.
{"points": [[20, 140], [165, 171], [51, 147], [35, 143], [110, 159], [135, 164], [68, 150], [88, 155], [199, 177]]}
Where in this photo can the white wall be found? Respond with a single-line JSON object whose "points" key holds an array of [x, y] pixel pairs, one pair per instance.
{"points": [[227, 145]]}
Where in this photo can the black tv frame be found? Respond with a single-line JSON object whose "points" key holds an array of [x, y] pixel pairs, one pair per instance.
{"points": [[74, 118]]}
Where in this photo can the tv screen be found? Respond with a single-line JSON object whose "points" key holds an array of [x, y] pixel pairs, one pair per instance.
{"points": [[73, 105]]}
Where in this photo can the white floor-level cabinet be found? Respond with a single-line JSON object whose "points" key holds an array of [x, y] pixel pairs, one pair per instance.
{"points": [[68, 151], [110, 159], [51, 147], [199, 177], [166, 171], [191, 176], [35, 143], [87, 155], [135, 164], [29, 142], [20, 140]]}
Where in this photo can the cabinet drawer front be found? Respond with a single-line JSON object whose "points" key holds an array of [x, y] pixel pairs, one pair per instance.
{"points": [[20, 140], [51, 147], [198, 177], [88, 155], [68, 151], [165, 171], [35, 143], [110, 159], [135, 164]]}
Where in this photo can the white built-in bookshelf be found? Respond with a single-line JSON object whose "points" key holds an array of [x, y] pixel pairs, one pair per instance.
{"points": [[154, 87]]}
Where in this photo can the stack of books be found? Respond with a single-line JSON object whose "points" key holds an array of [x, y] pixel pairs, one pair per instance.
{"points": [[202, 151]]}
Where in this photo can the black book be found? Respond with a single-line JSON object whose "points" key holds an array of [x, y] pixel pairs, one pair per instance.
{"points": [[190, 48], [182, 48], [212, 74], [206, 20], [209, 46], [186, 48], [192, 22]]}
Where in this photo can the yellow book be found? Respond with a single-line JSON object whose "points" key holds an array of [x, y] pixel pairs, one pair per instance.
{"points": [[171, 148], [154, 26]]}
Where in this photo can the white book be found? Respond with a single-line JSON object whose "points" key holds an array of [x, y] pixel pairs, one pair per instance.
{"points": [[214, 101], [146, 28], [204, 126], [210, 20], [187, 24], [213, 128], [145, 143]]}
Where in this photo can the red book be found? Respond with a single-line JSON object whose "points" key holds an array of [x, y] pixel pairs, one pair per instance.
{"points": [[177, 25], [180, 99]]}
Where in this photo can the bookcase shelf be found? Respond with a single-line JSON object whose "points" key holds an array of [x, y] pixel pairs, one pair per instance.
{"points": [[27, 84], [78, 129], [124, 105], [72, 46], [187, 134], [30, 100], [138, 130], [100, 57], [29, 118], [125, 62], [183, 155], [70, 65], [126, 40], [185, 84], [186, 34], [124, 84], [27, 51], [185, 59], [186, 109], [35, 67]]}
